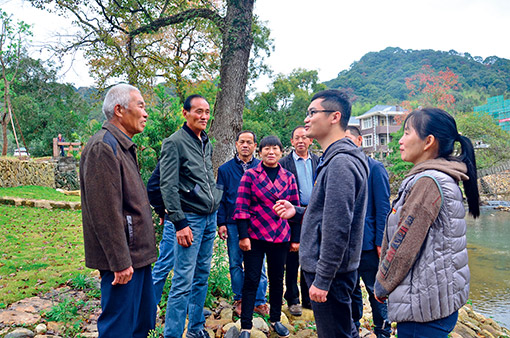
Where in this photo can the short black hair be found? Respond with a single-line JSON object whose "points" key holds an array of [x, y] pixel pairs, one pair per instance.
{"points": [[270, 140], [246, 132], [353, 130], [336, 100], [293, 130], [187, 103]]}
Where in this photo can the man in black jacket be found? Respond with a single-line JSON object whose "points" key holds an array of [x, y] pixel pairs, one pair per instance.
{"points": [[302, 163]]}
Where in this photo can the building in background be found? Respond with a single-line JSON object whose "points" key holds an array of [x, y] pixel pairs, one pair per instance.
{"points": [[377, 125], [499, 109]]}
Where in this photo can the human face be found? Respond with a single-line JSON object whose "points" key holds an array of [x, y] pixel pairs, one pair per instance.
{"points": [[301, 142], [319, 124], [270, 155], [358, 140], [245, 146], [198, 115], [412, 147], [133, 118]]}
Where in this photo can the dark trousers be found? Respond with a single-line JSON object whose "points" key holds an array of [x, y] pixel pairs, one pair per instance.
{"points": [[439, 328], [333, 317], [367, 271], [291, 274], [276, 254], [128, 310]]}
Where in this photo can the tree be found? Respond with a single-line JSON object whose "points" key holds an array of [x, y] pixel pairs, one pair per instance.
{"points": [[283, 107], [431, 89], [483, 130], [45, 107], [132, 22], [12, 41]]}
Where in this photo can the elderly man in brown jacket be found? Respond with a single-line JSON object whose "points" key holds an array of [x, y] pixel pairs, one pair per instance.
{"points": [[117, 223]]}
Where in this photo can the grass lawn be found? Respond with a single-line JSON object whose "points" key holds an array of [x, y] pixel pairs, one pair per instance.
{"points": [[36, 192], [41, 249]]}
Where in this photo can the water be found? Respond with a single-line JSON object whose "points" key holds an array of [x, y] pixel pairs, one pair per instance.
{"points": [[489, 260]]}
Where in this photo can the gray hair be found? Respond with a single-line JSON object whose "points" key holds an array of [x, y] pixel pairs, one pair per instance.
{"points": [[118, 94]]}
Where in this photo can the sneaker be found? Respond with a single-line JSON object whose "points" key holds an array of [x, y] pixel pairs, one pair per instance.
{"points": [[199, 334], [295, 310], [262, 309], [245, 334], [280, 329]]}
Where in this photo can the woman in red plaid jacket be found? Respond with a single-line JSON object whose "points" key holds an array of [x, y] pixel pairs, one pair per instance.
{"points": [[263, 232]]}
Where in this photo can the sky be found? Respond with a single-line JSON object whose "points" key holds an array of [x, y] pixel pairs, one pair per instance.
{"points": [[329, 35]]}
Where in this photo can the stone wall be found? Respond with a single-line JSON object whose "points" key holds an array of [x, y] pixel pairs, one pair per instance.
{"points": [[14, 172], [495, 186]]}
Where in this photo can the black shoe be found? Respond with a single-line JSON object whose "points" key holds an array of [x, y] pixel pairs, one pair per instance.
{"points": [[280, 329], [245, 334]]}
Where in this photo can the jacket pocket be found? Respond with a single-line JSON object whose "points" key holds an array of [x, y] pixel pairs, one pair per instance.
{"points": [[130, 230]]}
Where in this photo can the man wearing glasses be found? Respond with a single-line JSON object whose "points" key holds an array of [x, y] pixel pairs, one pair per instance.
{"points": [[332, 224]]}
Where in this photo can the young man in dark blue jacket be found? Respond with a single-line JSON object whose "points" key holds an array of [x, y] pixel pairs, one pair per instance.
{"points": [[332, 228], [229, 177], [378, 207]]}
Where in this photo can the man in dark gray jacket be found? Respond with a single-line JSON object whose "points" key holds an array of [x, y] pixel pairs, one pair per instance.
{"points": [[117, 222], [191, 199], [332, 228]]}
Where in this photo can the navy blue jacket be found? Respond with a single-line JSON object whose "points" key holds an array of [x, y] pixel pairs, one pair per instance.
{"points": [[378, 205], [154, 193], [229, 178]]}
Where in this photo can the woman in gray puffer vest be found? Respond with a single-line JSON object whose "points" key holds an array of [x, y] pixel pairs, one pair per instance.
{"points": [[424, 270]]}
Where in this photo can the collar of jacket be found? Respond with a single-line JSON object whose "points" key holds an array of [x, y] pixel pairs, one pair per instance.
{"points": [[203, 135], [125, 141]]}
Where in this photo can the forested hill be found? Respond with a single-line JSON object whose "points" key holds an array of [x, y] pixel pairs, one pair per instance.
{"points": [[379, 77]]}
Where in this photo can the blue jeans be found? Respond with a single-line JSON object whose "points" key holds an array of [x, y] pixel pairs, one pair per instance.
{"points": [[235, 261], [367, 271], [166, 259], [128, 310], [439, 328], [333, 317], [191, 271]]}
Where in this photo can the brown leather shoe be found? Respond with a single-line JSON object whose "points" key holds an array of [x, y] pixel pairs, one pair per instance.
{"points": [[262, 309], [237, 307]]}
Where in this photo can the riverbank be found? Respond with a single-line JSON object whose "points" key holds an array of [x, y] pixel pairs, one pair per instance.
{"points": [[37, 317]]}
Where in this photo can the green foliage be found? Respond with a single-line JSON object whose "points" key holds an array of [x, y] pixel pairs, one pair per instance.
{"points": [[219, 281], [482, 128], [45, 107], [37, 192], [380, 76], [282, 108], [87, 284], [66, 312], [157, 332]]}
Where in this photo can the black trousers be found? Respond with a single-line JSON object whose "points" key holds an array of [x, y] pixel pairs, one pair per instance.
{"points": [[276, 254], [291, 284]]}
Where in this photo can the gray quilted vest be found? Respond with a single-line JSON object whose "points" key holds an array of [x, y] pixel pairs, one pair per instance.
{"points": [[438, 283]]}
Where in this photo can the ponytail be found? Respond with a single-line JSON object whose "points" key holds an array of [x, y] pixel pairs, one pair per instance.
{"points": [[470, 186]]}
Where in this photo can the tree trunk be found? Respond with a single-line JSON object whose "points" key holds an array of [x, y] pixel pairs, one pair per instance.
{"points": [[228, 110]]}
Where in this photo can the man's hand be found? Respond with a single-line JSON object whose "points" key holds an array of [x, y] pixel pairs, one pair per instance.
{"points": [[222, 232], [184, 237], [294, 247], [245, 244], [318, 295], [161, 221], [123, 277], [378, 251], [284, 209]]}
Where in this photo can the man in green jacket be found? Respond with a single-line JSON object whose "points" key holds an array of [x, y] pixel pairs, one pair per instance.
{"points": [[191, 199]]}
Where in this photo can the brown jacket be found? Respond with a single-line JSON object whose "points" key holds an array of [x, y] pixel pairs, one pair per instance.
{"points": [[117, 222]]}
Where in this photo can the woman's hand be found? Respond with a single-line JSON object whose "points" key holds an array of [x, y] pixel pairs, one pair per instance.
{"points": [[245, 244], [284, 209], [294, 247]]}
